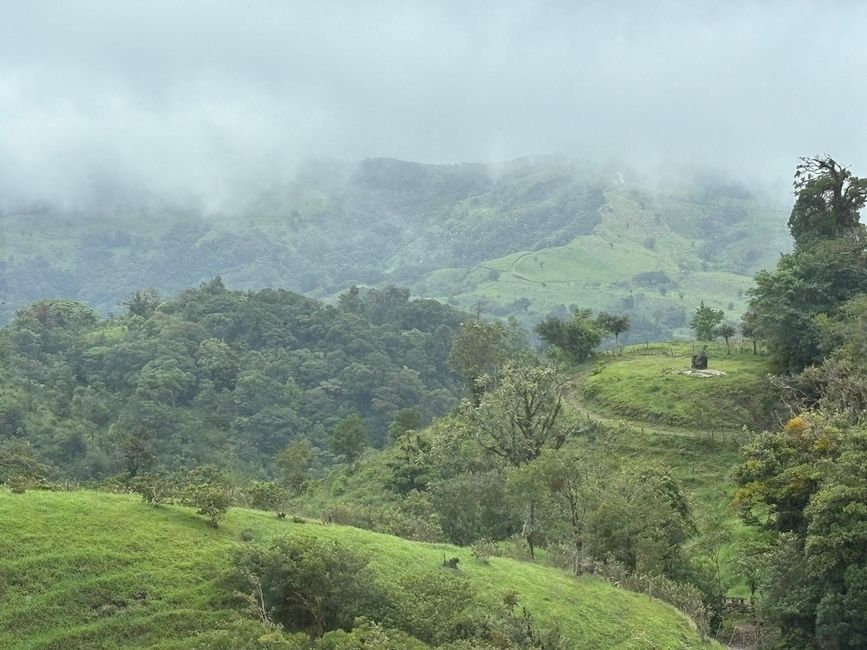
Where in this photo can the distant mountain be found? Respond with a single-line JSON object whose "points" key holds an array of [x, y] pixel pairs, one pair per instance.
{"points": [[522, 238]]}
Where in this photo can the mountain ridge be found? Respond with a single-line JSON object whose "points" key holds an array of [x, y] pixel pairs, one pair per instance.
{"points": [[449, 232]]}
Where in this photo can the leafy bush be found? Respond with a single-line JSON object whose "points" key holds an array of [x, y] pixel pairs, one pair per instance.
{"points": [[266, 495], [209, 491], [483, 550], [155, 490], [18, 484], [367, 635], [20, 467], [307, 584], [431, 603], [473, 506]]}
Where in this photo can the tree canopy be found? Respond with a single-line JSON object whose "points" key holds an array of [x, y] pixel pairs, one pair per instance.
{"points": [[705, 321], [216, 376], [828, 200], [827, 268], [576, 337]]}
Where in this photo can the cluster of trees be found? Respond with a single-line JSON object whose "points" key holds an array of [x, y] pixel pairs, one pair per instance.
{"points": [[826, 270], [219, 377], [578, 336], [805, 485]]}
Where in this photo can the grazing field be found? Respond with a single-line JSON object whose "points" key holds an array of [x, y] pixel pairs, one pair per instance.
{"points": [[649, 386], [95, 570]]}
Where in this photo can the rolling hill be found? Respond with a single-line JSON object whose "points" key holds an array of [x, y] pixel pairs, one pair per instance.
{"points": [[523, 238]]}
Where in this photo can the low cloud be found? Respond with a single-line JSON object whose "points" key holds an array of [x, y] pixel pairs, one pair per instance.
{"points": [[216, 100]]}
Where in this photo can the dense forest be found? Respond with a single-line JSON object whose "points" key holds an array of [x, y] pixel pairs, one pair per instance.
{"points": [[805, 484], [217, 376]]}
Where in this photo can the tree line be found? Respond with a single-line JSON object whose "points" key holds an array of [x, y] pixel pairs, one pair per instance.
{"points": [[804, 485]]}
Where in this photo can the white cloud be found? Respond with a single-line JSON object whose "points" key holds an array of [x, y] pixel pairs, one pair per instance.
{"points": [[217, 98]]}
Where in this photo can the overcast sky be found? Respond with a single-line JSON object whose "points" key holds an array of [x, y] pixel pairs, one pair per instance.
{"points": [[221, 96]]}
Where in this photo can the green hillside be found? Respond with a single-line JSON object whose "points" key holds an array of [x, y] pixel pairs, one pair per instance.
{"points": [[520, 238], [649, 385], [644, 411], [94, 570]]}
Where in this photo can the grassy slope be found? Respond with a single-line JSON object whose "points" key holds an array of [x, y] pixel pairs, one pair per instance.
{"points": [[93, 570], [651, 387], [692, 425], [596, 271], [637, 402]]}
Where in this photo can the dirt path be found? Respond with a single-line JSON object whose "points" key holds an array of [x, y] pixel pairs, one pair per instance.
{"points": [[578, 404]]}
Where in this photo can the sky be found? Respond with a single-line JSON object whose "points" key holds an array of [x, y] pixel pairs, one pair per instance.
{"points": [[221, 98]]}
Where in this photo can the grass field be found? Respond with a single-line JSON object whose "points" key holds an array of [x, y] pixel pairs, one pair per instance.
{"points": [[648, 385], [94, 570]]}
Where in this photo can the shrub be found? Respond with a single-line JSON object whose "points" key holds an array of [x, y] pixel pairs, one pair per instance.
{"points": [[521, 631], [20, 467], [266, 495], [473, 506], [208, 490], [154, 490], [432, 603], [307, 584], [484, 550], [368, 635], [18, 484]]}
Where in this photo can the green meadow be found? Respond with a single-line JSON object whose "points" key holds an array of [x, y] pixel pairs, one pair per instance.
{"points": [[96, 570]]}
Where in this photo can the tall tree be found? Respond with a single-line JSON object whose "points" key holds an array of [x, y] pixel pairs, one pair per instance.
{"points": [[142, 302], [813, 280], [481, 347], [615, 324], [293, 463], [522, 415], [704, 322], [349, 438], [828, 200], [749, 328], [726, 330]]}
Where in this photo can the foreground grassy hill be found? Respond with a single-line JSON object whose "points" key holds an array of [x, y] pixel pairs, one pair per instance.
{"points": [[95, 570]]}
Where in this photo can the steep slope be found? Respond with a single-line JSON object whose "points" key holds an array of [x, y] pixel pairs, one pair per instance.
{"points": [[94, 570]]}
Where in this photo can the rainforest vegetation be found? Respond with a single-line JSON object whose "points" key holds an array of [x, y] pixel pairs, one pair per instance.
{"points": [[737, 498]]}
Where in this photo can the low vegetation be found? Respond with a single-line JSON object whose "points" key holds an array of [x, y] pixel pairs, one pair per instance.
{"points": [[138, 576]]}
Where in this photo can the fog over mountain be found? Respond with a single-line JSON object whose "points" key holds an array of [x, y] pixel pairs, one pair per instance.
{"points": [[217, 100]]}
